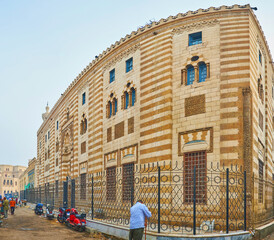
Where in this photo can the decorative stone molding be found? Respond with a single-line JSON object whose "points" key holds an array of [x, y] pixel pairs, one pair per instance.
{"points": [[260, 43], [111, 159], [120, 56], [195, 140], [193, 26], [129, 154]]}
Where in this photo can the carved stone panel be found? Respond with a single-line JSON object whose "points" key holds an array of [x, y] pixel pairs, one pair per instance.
{"points": [[119, 130], [196, 140], [195, 105]]}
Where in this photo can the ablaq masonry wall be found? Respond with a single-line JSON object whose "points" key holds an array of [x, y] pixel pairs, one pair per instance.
{"points": [[154, 97]]}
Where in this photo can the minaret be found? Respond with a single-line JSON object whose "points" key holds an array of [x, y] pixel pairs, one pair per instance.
{"points": [[45, 115]]}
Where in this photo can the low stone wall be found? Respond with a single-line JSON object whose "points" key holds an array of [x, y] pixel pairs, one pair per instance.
{"points": [[263, 231], [122, 232]]}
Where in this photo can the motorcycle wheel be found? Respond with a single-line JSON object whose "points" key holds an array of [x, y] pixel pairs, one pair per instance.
{"points": [[81, 229], [59, 220]]}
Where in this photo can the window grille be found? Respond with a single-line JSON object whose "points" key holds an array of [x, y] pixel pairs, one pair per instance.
{"points": [[202, 72], [190, 75], [112, 75], [261, 185], [198, 160], [128, 181], [56, 187], [195, 38], [111, 183], [129, 64], [83, 186]]}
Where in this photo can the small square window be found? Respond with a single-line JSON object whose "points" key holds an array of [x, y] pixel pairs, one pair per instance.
{"points": [[129, 64], [83, 98], [194, 38], [112, 75]]}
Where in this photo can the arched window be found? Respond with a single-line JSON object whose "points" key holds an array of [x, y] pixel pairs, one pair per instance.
{"points": [[115, 106], [110, 109], [127, 100], [8, 182], [83, 125], [190, 75], [133, 97], [202, 72]]}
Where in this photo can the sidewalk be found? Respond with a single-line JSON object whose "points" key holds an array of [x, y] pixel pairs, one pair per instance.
{"points": [[25, 225]]}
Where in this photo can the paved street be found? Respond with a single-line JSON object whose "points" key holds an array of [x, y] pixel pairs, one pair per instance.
{"points": [[25, 225]]}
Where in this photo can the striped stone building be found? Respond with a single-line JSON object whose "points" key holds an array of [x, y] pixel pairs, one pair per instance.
{"points": [[195, 87]]}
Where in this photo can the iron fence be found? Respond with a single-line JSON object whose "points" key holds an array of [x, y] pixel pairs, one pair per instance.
{"points": [[198, 201]]}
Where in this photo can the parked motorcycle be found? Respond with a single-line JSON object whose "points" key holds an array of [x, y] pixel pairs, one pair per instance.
{"points": [[49, 212], [63, 215], [39, 208], [76, 221]]}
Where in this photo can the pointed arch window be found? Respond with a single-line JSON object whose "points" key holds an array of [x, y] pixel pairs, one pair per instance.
{"points": [[110, 109], [115, 106], [127, 100], [83, 125], [202, 72], [133, 97], [190, 75]]}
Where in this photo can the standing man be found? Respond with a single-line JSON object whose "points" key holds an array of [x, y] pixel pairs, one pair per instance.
{"points": [[12, 206], [6, 207], [138, 213]]}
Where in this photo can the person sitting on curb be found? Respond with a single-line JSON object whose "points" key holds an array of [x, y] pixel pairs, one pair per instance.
{"points": [[138, 213]]}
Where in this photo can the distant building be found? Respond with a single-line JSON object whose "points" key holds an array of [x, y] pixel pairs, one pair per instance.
{"points": [[27, 178], [9, 179]]}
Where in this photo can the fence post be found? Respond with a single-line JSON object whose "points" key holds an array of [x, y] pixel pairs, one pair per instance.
{"points": [[227, 200], [92, 200], [194, 201], [132, 190], [244, 200], [159, 199]]}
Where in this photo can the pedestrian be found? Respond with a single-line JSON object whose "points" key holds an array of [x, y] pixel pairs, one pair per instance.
{"points": [[138, 214], [1, 208], [6, 207], [12, 206]]}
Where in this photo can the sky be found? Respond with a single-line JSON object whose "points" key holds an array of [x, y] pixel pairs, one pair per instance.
{"points": [[44, 45]]}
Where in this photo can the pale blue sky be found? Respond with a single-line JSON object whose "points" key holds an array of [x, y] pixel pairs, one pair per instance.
{"points": [[44, 45]]}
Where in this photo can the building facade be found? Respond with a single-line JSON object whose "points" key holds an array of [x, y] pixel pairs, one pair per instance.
{"points": [[27, 178], [9, 179], [195, 89]]}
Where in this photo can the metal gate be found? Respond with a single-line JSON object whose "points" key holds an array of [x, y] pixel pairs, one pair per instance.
{"points": [[65, 194], [72, 193]]}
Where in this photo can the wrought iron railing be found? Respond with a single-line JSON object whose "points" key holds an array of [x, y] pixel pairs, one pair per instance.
{"points": [[199, 201]]}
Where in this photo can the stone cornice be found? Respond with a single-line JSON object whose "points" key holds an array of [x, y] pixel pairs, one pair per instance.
{"points": [[120, 56], [190, 27]]}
